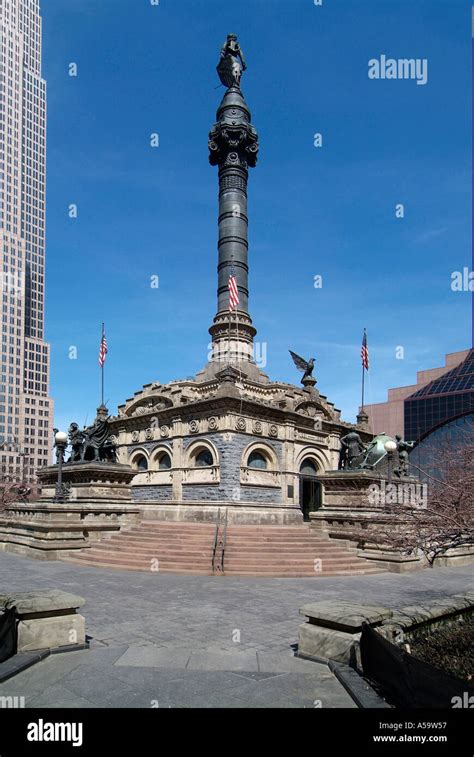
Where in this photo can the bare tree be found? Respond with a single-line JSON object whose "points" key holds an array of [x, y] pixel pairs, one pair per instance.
{"points": [[11, 488], [444, 519]]}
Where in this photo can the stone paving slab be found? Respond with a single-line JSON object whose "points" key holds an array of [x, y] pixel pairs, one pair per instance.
{"points": [[155, 657], [277, 662], [220, 659], [58, 696]]}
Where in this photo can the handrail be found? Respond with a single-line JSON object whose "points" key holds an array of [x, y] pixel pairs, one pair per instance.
{"points": [[224, 541], [216, 540]]}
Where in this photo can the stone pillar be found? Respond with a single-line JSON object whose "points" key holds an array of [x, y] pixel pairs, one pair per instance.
{"points": [[177, 492], [288, 465], [233, 146]]}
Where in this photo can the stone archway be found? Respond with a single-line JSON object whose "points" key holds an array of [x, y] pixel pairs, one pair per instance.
{"points": [[310, 488]]}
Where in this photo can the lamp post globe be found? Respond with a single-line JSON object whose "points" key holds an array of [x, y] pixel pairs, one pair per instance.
{"points": [[61, 438], [61, 441], [390, 448]]}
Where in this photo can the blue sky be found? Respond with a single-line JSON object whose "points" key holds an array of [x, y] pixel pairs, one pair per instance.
{"points": [[326, 211]]}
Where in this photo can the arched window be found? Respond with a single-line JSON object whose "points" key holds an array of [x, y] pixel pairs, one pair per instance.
{"points": [[257, 460], [141, 463], [164, 461], [308, 468], [203, 459]]}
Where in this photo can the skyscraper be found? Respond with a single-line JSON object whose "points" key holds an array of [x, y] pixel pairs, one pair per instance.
{"points": [[25, 408]]}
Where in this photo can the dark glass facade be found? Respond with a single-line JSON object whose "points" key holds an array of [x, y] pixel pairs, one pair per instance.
{"points": [[445, 398], [451, 435]]}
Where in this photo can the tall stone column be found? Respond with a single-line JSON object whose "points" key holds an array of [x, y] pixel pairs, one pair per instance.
{"points": [[233, 147]]}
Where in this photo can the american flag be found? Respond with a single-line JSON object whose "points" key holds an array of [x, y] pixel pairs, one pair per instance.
{"points": [[233, 291], [364, 352], [103, 350]]}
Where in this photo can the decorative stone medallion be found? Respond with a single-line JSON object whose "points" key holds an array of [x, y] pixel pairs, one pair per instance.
{"points": [[164, 431], [149, 434], [273, 430], [135, 436], [257, 427], [241, 425], [213, 424], [194, 427]]}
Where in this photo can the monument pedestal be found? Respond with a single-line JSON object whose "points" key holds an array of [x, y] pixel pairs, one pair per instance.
{"points": [[89, 482], [98, 501], [353, 501]]}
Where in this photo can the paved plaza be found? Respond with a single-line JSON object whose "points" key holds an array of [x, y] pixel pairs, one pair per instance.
{"points": [[162, 640]]}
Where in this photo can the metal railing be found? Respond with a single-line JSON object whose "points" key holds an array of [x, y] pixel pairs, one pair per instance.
{"points": [[216, 540], [224, 541], [220, 541]]}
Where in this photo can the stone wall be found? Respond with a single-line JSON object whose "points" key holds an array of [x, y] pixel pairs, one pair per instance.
{"points": [[261, 494], [204, 493], [152, 493], [230, 448]]}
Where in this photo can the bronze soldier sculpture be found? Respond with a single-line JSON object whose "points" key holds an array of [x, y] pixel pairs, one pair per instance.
{"points": [[94, 442], [95, 437], [232, 62], [352, 447], [403, 449], [76, 440]]}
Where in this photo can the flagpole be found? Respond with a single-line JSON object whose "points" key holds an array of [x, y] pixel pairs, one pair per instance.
{"points": [[229, 356], [103, 364], [364, 358]]}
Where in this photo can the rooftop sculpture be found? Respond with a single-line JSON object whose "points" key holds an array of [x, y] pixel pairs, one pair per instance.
{"points": [[232, 63]]}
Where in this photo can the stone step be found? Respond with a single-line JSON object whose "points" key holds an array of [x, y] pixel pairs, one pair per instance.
{"points": [[127, 566], [271, 551], [274, 548], [241, 559], [179, 533], [205, 558], [230, 543], [191, 562], [269, 572], [298, 536], [146, 525], [258, 540], [168, 537], [149, 552], [230, 529], [281, 542], [162, 537], [262, 566], [171, 527], [135, 539], [293, 573]]}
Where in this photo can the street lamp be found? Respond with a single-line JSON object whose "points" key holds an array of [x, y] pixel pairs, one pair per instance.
{"points": [[61, 442], [390, 448]]}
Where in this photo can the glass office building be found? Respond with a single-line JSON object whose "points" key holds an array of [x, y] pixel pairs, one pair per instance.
{"points": [[444, 399]]}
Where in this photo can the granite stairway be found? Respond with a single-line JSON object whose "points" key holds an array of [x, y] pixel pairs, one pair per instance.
{"points": [[292, 551], [183, 547]]}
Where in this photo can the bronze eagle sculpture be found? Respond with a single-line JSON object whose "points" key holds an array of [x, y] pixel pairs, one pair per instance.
{"points": [[307, 366]]}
